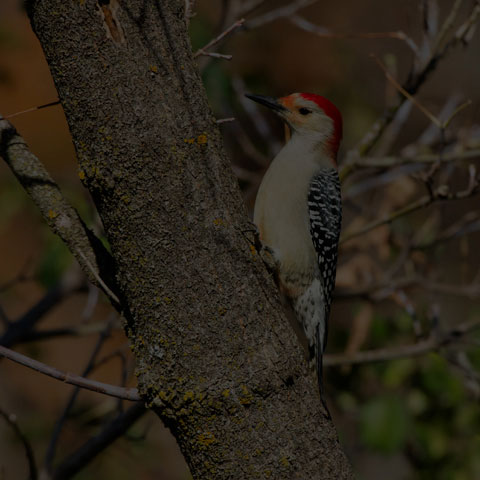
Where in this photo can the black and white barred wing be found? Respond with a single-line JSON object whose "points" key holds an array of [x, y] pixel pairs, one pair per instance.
{"points": [[325, 209]]}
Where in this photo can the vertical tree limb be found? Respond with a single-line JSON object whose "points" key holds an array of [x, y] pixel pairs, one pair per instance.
{"points": [[213, 348]]}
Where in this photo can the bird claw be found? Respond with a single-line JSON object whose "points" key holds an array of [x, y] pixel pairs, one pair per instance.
{"points": [[266, 253]]}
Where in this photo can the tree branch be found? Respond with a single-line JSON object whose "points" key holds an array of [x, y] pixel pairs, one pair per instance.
{"points": [[12, 422], [96, 445], [324, 32], [62, 218], [50, 453], [281, 12], [440, 194], [197, 300], [20, 329], [354, 163], [379, 291], [70, 378], [416, 79], [218, 39], [435, 342]]}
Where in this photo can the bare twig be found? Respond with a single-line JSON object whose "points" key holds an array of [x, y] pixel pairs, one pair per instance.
{"points": [[324, 32], [407, 95], [96, 445], [258, 120], [50, 454], [218, 39], [435, 342], [189, 10], [248, 6], [461, 107], [224, 56], [92, 301], [70, 378], [441, 125], [448, 23], [11, 420], [354, 163], [282, 12], [97, 276], [430, 12], [32, 109], [21, 276], [73, 331], [440, 194], [378, 291], [20, 329], [417, 78], [225, 120], [469, 223]]}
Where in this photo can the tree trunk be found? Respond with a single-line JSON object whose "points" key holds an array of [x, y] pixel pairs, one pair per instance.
{"points": [[215, 355]]}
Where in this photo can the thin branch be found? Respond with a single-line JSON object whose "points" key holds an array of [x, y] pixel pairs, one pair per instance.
{"points": [[93, 447], [12, 422], [282, 12], [391, 161], [406, 94], [189, 10], [50, 454], [70, 378], [257, 119], [469, 223], [74, 331], [435, 342], [97, 277], [20, 329], [378, 291], [324, 32], [413, 207], [218, 39], [32, 109], [441, 125], [249, 5], [448, 23], [440, 194], [21, 276], [416, 80], [61, 217], [225, 120], [224, 56], [460, 108]]}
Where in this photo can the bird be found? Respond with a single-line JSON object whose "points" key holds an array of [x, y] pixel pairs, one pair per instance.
{"points": [[298, 213]]}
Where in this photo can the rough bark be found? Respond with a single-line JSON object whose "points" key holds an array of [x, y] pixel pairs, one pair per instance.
{"points": [[215, 356]]}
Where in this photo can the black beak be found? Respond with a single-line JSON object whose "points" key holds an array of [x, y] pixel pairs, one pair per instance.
{"points": [[269, 102]]}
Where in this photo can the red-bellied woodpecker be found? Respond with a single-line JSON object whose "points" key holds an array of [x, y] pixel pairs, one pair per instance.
{"points": [[298, 211]]}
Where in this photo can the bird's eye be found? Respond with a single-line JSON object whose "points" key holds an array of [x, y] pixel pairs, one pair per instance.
{"points": [[304, 111]]}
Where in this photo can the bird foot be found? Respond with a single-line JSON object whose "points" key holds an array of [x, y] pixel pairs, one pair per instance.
{"points": [[266, 253]]}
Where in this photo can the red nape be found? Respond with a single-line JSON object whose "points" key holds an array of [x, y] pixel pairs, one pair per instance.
{"points": [[334, 113]]}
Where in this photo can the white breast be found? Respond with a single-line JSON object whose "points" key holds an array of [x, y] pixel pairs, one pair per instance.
{"points": [[281, 211]]}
